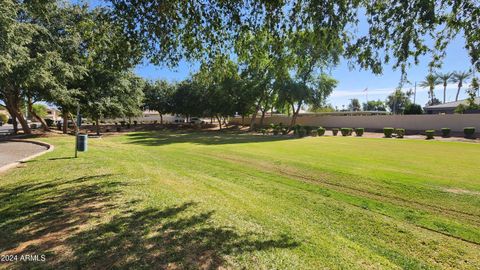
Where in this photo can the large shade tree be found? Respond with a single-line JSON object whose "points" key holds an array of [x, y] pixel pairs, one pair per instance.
{"points": [[158, 97], [397, 29], [29, 57]]}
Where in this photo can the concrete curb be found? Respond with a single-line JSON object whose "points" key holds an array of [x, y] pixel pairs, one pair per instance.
{"points": [[18, 162]]}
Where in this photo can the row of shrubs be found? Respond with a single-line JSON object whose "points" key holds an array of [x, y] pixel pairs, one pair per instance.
{"points": [[469, 132], [302, 131]]}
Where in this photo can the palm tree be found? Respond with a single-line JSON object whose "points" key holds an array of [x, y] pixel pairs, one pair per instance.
{"points": [[445, 78], [430, 81], [459, 77]]}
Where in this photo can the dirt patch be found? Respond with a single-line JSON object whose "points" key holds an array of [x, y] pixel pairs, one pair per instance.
{"points": [[461, 191]]}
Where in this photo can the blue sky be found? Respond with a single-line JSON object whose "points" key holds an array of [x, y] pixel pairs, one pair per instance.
{"points": [[351, 82]]}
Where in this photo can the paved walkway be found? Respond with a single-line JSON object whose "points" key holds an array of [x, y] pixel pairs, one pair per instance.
{"points": [[11, 152]]}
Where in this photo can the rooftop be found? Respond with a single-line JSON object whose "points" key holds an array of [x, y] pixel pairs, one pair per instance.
{"points": [[452, 104]]}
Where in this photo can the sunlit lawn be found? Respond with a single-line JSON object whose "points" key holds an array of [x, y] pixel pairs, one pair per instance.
{"points": [[181, 200]]}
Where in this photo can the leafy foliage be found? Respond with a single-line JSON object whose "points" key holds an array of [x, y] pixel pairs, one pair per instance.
{"points": [[412, 108], [446, 132], [346, 131], [359, 131], [398, 100], [354, 105], [400, 132], [469, 132], [374, 105], [430, 134], [388, 132]]}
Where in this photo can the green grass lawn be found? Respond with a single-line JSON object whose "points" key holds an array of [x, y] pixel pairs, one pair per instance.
{"points": [[180, 200]]}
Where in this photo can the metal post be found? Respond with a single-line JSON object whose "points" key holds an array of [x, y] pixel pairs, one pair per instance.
{"points": [[76, 132], [415, 94]]}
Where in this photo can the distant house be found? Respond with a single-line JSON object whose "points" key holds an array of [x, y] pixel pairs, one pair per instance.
{"points": [[448, 108], [53, 114]]}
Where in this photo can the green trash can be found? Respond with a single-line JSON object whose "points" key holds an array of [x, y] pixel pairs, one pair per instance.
{"points": [[82, 143]]}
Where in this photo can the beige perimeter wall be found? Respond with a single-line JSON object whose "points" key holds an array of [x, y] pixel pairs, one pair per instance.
{"points": [[410, 122]]}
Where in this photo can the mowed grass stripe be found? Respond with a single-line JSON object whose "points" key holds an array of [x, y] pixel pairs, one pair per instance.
{"points": [[276, 191], [450, 222], [280, 218]]}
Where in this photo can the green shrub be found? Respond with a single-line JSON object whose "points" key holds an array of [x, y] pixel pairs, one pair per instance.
{"points": [[314, 133], [263, 131], [413, 109], [296, 128], [321, 131], [388, 131], [445, 132], [3, 118], [430, 134], [346, 131], [334, 131], [284, 131], [469, 132], [359, 131], [400, 132], [301, 132], [309, 129]]}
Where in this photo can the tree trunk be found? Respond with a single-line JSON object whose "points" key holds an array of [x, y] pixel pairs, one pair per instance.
{"points": [[219, 122], [161, 118], [444, 92], [254, 116], [17, 114], [97, 126], [23, 122], [295, 114], [243, 120], [40, 119], [74, 122], [15, 124], [262, 117], [65, 122], [458, 93], [14, 119]]}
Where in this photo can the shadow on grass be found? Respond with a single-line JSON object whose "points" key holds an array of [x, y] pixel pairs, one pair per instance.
{"points": [[156, 138], [86, 223]]}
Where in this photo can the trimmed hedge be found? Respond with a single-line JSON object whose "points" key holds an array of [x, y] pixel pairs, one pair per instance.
{"points": [[301, 132], [308, 130], [469, 132], [334, 131], [314, 133], [295, 129], [400, 132], [388, 131], [445, 132], [321, 131], [346, 131], [430, 133], [359, 131]]}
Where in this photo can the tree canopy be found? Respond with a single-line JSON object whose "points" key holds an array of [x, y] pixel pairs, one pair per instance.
{"points": [[397, 29]]}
